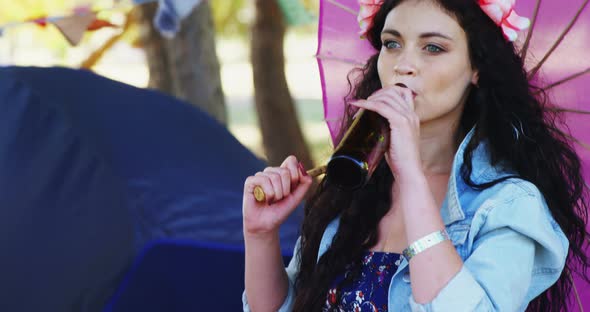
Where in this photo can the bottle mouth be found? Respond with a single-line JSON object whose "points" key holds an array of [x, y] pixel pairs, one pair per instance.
{"points": [[346, 172], [399, 84]]}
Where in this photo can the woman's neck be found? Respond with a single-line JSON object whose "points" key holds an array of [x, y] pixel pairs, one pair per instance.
{"points": [[438, 145]]}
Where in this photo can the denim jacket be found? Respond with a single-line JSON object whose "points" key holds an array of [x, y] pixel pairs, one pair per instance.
{"points": [[512, 248]]}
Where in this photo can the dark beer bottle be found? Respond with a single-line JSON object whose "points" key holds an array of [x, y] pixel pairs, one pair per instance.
{"points": [[360, 151]]}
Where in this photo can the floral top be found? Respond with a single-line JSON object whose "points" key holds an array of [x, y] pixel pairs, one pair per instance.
{"points": [[369, 292]]}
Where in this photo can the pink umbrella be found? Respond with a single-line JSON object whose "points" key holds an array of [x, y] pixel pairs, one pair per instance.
{"points": [[565, 72]]}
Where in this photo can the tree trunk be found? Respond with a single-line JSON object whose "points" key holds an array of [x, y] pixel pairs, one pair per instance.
{"points": [[281, 133], [185, 66]]}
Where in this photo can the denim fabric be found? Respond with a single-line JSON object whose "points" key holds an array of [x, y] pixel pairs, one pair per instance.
{"points": [[511, 246], [170, 13]]}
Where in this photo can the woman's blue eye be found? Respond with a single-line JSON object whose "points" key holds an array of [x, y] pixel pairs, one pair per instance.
{"points": [[390, 44], [433, 49]]}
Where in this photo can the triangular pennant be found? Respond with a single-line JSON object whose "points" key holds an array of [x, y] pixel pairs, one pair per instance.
{"points": [[40, 21], [73, 27], [99, 24]]}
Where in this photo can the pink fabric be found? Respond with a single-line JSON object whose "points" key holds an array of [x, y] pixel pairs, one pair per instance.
{"points": [[340, 49]]}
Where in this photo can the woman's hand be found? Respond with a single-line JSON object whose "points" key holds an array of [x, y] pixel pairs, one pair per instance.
{"points": [[396, 104], [284, 186]]}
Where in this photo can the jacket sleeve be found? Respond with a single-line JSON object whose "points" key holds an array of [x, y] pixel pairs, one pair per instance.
{"points": [[518, 252], [292, 269]]}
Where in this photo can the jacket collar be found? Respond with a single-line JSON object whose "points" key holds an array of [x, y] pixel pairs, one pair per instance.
{"points": [[482, 170]]}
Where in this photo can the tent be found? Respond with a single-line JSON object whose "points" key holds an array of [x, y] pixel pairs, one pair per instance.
{"points": [[94, 174]]}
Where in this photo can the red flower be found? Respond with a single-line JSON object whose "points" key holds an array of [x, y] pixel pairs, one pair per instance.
{"points": [[503, 14], [368, 9]]}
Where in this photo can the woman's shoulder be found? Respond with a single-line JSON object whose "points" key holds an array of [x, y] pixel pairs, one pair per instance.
{"points": [[512, 189], [507, 198], [519, 205]]}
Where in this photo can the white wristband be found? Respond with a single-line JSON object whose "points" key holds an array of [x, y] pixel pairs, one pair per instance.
{"points": [[424, 243]]}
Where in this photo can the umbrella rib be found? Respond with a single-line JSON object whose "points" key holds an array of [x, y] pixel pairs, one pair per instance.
{"points": [[343, 7], [332, 119], [529, 34], [339, 59], [566, 79], [582, 144], [576, 294], [559, 40], [569, 110]]}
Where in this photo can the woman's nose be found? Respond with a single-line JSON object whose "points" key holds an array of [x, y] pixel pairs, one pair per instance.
{"points": [[405, 68], [405, 64]]}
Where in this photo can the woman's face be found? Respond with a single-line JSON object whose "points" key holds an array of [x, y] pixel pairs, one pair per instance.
{"points": [[426, 49]]}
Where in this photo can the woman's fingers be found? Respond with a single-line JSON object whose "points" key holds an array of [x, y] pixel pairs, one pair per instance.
{"points": [[275, 181], [381, 107], [405, 95], [291, 164], [399, 112], [389, 101], [280, 182], [282, 179], [397, 95], [262, 181], [393, 103], [284, 176]]}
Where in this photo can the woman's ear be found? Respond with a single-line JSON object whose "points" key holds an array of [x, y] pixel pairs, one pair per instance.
{"points": [[387, 160], [475, 78]]}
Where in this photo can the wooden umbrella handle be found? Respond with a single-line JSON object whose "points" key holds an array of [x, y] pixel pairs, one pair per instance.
{"points": [[261, 197]]}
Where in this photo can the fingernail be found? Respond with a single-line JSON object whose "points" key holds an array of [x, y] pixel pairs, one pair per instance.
{"points": [[302, 169]]}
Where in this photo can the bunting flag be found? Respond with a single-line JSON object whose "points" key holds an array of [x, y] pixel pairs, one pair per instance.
{"points": [[167, 20], [99, 24], [95, 56], [73, 26]]}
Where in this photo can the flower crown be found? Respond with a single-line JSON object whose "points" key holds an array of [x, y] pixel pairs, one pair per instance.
{"points": [[500, 11]]}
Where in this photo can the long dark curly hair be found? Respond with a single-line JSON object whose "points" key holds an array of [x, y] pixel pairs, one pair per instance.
{"points": [[504, 99]]}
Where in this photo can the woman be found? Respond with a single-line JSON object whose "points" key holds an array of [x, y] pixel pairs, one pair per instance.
{"points": [[479, 190]]}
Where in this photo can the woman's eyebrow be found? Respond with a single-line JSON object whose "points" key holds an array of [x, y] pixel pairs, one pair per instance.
{"points": [[422, 35]]}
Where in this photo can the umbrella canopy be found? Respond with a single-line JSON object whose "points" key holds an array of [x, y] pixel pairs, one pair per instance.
{"points": [[564, 73], [92, 170]]}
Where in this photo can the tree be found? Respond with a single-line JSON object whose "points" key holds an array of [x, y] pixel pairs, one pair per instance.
{"points": [[281, 133], [185, 66]]}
